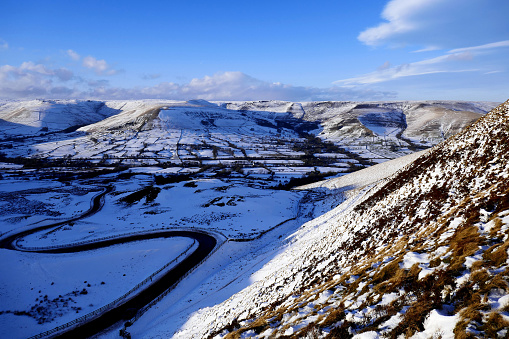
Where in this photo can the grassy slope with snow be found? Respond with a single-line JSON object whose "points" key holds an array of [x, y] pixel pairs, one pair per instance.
{"points": [[424, 253]]}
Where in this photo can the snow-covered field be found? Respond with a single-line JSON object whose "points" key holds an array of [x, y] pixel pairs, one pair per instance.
{"points": [[41, 291], [231, 209]]}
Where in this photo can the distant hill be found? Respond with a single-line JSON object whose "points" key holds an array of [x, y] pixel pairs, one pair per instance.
{"points": [[322, 136]]}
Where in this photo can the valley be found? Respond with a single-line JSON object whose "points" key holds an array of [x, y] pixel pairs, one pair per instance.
{"points": [[226, 169]]}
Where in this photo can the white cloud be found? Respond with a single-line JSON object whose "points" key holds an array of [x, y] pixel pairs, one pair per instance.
{"points": [[492, 45], [401, 17], [493, 72], [427, 49], [439, 23], [100, 67], [29, 66], [35, 80], [73, 55], [454, 61], [472, 35], [441, 64], [239, 86]]}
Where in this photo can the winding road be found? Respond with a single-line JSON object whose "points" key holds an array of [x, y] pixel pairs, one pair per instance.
{"points": [[127, 309]]}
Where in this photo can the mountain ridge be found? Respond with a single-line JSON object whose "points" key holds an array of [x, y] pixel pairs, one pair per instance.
{"points": [[339, 136]]}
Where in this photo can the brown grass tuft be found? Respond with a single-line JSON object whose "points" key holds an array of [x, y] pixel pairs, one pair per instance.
{"points": [[494, 323], [465, 242], [333, 317], [495, 229], [340, 332], [480, 277], [414, 317], [386, 273], [477, 265], [496, 255]]}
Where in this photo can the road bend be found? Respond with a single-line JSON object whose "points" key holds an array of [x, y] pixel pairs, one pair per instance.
{"points": [[127, 309]]}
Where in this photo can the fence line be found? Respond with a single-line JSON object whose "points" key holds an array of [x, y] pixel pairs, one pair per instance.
{"points": [[169, 289], [105, 307]]}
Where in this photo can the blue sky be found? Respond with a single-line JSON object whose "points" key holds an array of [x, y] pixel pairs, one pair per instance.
{"points": [[250, 50]]}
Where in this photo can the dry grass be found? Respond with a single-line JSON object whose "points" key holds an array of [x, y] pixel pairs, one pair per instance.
{"points": [[386, 273], [494, 324], [232, 335], [480, 278], [496, 255], [310, 331], [333, 317], [435, 262], [465, 242], [495, 229], [477, 265], [413, 318], [340, 332], [258, 326]]}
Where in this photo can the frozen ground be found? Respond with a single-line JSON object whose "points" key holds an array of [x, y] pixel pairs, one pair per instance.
{"points": [[228, 207]]}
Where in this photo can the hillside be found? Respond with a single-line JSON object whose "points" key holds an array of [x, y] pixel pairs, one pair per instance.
{"points": [[39, 117], [423, 253], [424, 122]]}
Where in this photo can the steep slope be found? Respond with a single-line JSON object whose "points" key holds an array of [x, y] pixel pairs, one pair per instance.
{"points": [[38, 117], [133, 115], [366, 176], [423, 253], [428, 121]]}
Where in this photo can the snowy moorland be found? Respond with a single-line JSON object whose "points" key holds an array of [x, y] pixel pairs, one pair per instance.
{"points": [[396, 225]]}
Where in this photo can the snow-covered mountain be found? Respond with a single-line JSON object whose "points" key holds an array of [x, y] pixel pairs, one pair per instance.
{"points": [[36, 117], [324, 136], [422, 253], [426, 121]]}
